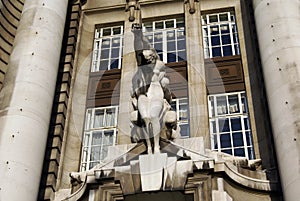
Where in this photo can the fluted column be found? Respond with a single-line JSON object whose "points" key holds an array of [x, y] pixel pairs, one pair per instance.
{"points": [[27, 96], [277, 23]]}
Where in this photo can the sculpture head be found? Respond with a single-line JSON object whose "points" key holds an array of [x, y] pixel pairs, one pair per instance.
{"points": [[150, 56]]}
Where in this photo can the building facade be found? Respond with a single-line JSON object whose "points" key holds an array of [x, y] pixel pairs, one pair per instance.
{"points": [[66, 105]]}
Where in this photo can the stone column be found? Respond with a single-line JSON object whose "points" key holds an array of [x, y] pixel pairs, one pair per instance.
{"points": [[196, 74], [27, 96], [277, 24]]}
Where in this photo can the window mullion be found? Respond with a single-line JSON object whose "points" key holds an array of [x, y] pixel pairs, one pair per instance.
{"points": [[165, 49], [231, 38]]}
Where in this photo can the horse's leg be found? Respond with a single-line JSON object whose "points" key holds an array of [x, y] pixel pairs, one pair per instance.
{"points": [[144, 106]]}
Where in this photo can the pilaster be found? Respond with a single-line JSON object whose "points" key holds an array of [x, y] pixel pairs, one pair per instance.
{"points": [[196, 73]]}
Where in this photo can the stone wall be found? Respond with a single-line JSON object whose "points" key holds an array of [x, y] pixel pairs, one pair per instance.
{"points": [[10, 13]]}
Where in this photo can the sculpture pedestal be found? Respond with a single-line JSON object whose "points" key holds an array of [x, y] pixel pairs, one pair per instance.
{"points": [[151, 170]]}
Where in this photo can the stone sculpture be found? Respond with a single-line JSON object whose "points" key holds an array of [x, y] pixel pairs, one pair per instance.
{"points": [[152, 116]]}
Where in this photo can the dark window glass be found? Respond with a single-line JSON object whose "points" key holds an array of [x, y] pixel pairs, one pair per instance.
{"points": [[239, 152], [171, 57], [236, 124], [238, 139], [216, 51], [227, 51], [225, 140]]}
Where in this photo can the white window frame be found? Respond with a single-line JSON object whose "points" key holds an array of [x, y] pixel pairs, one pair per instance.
{"points": [[230, 112], [176, 106], [151, 29], [91, 130], [210, 25], [99, 38]]}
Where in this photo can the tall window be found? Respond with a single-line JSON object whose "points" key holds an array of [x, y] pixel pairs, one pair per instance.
{"points": [[100, 133], [181, 107], [168, 38], [107, 53], [220, 36], [230, 125]]}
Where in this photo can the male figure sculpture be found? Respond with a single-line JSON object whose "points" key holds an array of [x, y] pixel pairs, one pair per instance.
{"points": [[150, 95]]}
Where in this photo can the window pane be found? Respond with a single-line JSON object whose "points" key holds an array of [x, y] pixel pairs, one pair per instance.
{"points": [[238, 139], [116, 42], [235, 38], [222, 105], [227, 151], [251, 153], [224, 17], [106, 32], [236, 124], [158, 37], [224, 29], [105, 43], [213, 18], [148, 26], [115, 52], [158, 47], [246, 124], [239, 152], [225, 140], [171, 46], [108, 137], [227, 51], [171, 57], [233, 104], [181, 45], [224, 125], [237, 49], [171, 35], [114, 64], [98, 119], [215, 40], [116, 30], [159, 25], [214, 30], [96, 138], [103, 65], [184, 130], [170, 24], [110, 117], [180, 34], [215, 142], [249, 139], [181, 56], [213, 127], [104, 54], [179, 23], [226, 40], [216, 51], [95, 153]]}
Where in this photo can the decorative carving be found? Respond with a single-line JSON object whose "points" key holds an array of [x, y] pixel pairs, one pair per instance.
{"points": [[150, 96], [132, 6], [192, 5]]}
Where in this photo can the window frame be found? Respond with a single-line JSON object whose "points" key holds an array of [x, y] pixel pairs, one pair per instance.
{"points": [[98, 49], [217, 132], [207, 36], [90, 131], [179, 36], [178, 110]]}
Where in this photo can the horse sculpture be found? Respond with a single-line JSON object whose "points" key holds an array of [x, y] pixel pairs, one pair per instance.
{"points": [[152, 115]]}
